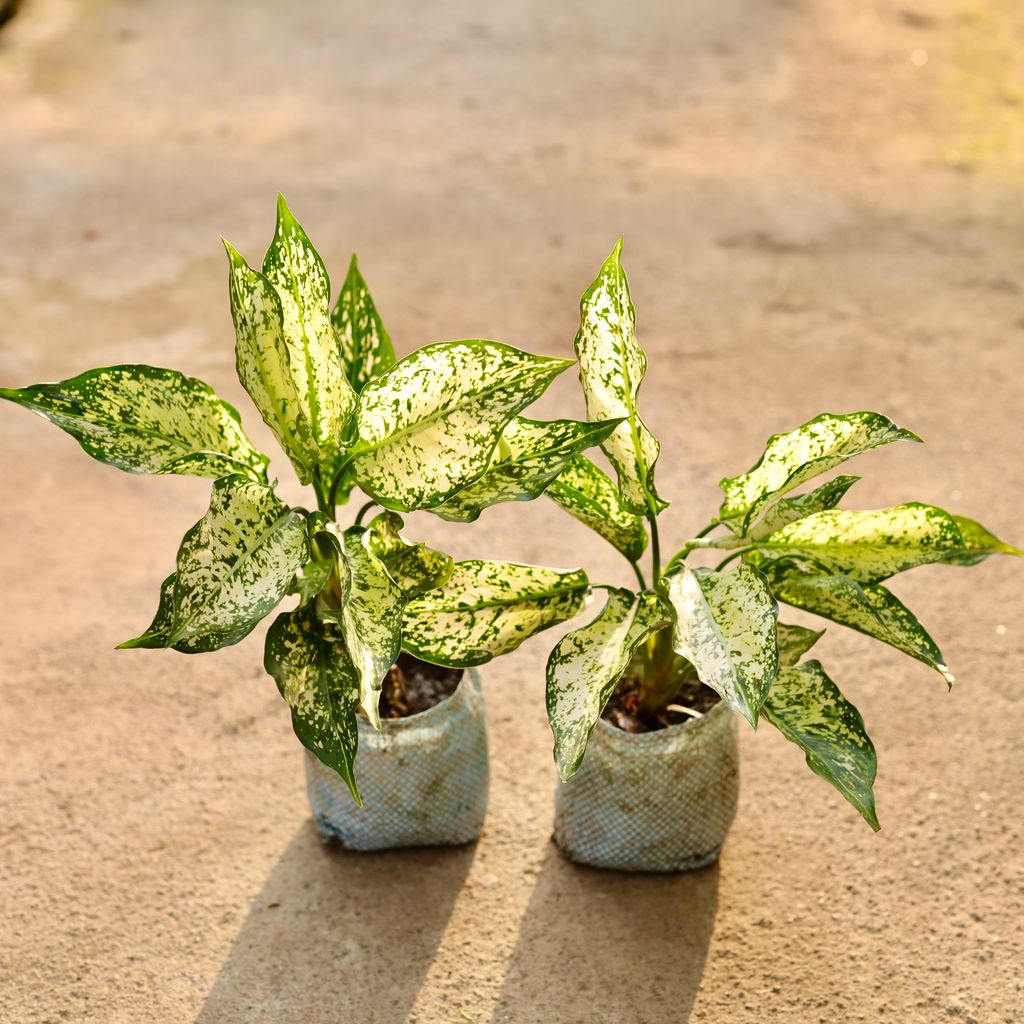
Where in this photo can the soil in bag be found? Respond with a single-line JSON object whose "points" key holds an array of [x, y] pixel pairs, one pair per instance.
{"points": [[412, 686], [625, 710]]}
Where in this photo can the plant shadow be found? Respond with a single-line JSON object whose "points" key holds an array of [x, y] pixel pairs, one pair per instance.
{"points": [[610, 946], [338, 936]]}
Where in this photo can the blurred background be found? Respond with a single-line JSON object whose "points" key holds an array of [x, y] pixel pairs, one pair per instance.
{"points": [[822, 210]]}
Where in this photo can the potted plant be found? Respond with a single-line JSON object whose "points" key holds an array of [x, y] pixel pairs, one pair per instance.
{"points": [[650, 689], [372, 656]]}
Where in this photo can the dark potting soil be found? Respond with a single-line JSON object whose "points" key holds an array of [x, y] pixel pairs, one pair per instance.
{"points": [[625, 711], [412, 686]]}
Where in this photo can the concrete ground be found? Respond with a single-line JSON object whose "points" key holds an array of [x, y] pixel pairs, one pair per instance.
{"points": [[822, 205]]}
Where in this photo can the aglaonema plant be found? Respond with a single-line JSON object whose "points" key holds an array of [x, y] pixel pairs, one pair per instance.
{"points": [[684, 625], [438, 430]]}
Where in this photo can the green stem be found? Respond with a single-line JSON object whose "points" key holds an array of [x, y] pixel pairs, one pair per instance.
{"points": [[362, 512], [639, 575], [733, 554], [652, 518], [324, 502]]}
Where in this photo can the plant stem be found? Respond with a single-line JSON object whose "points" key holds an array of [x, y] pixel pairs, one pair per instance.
{"points": [[639, 575], [733, 554], [362, 512], [652, 518], [324, 501]]}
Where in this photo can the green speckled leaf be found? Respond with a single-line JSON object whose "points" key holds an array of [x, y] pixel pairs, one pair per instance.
{"points": [[977, 544], [530, 454], [612, 366], [156, 636], [311, 579], [870, 609], [726, 626], [586, 665], [808, 709], [804, 453], [795, 642], [365, 346], [234, 566], [487, 609], [307, 659], [587, 493], [144, 419], [789, 510], [428, 427], [415, 567]]}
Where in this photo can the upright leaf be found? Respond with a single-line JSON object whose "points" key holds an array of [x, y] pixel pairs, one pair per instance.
{"points": [[789, 510], [793, 458], [808, 709], [589, 495], [489, 608], [428, 427], [365, 346], [977, 544], [234, 566], [612, 365], [586, 665], [144, 419], [415, 567], [308, 660], [530, 454], [726, 626]]}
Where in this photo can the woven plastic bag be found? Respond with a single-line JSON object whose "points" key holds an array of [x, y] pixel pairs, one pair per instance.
{"points": [[657, 801], [423, 779]]}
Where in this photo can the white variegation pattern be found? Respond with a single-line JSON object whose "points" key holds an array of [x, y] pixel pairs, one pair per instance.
{"points": [[413, 565], [795, 642], [311, 579], [792, 458], [428, 427], [726, 627], [587, 493], [144, 419], [586, 665], [808, 709], [305, 655], [365, 345], [789, 510], [612, 366], [487, 609], [530, 454]]}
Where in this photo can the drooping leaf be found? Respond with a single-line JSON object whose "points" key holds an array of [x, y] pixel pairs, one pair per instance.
{"points": [[159, 628], [234, 566], [429, 425], [978, 544], [489, 608], [789, 510], [415, 567], [365, 345], [307, 659], [726, 626], [588, 494], [868, 608], [530, 454], [612, 366], [144, 419], [587, 663], [808, 709], [795, 641], [790, 459], [311, 579]]}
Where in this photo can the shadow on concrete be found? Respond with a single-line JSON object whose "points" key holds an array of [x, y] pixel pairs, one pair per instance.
{"points": [[600, 945], [338, 936]]}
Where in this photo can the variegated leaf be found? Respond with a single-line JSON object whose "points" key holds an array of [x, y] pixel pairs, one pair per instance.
{"points": [[795, 642], [789, 510], [307, 659], [612, 366], [587, 493], [791, 459], [428, 427], [530, 454], [978, 544], [586, 665], [144, 419], [808, 709], [489, 608], [365, 345], [726, 626], [311, 579], [415, 567], [234, 566], [868, 608]]}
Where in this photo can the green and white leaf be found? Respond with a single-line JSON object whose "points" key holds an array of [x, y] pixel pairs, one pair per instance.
{"points": [[791, 459], [868, 608], [311, 579], [808, 709], [978, 544], [415, 567], [795, 641], [612, 366], [789, 510], [365, 345], [429, 425], [234, 566], [144, 419], [307, 659], [587, 493], [530, 454], [489, 608], [586, 665], [726, 626]]}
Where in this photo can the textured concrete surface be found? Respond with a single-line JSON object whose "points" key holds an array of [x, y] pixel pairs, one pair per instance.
{"points": [[822, 210]]}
